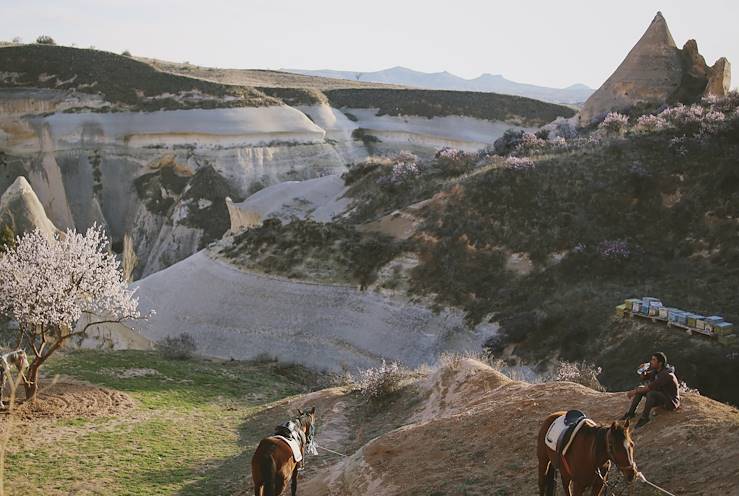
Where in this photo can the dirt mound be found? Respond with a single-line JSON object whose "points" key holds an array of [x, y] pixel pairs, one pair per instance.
{"points": [[73, 400], [475, 433]]}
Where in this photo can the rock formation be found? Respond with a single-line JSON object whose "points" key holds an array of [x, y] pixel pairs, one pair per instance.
{"points": [[21, 209], [654, 72]]}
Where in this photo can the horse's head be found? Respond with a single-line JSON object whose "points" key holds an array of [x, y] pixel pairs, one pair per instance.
{"points": [[307, 420], [620, 448]]}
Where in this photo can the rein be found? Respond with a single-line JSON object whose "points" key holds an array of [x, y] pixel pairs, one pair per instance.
{"points": [[612, 457]]}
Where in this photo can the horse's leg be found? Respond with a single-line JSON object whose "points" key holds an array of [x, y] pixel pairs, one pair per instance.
{"points": [[578, 488], [2, 387], [543, 469], [597, 487], [294, 482], [565, 483]]}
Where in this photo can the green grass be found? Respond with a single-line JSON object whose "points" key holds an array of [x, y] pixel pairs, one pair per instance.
{"points": [[191, 432]]}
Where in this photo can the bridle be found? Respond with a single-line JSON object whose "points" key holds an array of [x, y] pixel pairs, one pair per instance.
{"points": [[612, 456]]}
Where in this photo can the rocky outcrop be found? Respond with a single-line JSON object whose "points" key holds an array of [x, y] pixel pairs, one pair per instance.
{"points": [[321, 199], [655, 72], [21, 210], [719, 78]]}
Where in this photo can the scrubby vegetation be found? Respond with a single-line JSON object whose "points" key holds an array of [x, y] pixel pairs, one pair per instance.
{"points": [[309, 249], [602, 219], [295, 96], [382, 185], [202, 196], [121, 80], [437, 103], [180, 347]]}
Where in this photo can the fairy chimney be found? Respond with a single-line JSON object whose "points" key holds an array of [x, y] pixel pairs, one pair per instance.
{"points": [[656, 71]]}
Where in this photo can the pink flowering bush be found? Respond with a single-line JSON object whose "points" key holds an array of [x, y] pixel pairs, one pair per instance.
{"points": [[614, 123], [519, 162], [558, 142], [404, 169], [683, 114], [650, 123], [449, 153], [453, 162], [617, 248], [530, 143], [56, 287]]}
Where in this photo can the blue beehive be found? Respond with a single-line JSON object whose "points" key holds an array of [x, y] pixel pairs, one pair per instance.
{"points": [[672, 314]]}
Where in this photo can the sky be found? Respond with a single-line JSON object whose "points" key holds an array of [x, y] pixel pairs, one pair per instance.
{"points": [[538, 41]]}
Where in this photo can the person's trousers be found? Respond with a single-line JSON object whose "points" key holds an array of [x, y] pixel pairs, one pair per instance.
{"points": [[654, 398]]}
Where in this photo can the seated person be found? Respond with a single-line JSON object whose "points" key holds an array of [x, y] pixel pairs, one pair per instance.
{"points": [[660, 389]]}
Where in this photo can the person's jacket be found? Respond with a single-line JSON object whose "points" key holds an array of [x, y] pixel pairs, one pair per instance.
{"points": [[664, 382]]}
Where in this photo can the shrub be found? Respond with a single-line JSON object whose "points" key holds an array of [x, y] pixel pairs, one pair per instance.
{"points": [[617, 248], [614, 123], [519, 162], [360, 134], [508, 142], [7, 238], [377, 384], [180, 347], [404, 169], [650, 123], [564, 128], [530, 143], [583, 373], [45, 40], [126, 53]]}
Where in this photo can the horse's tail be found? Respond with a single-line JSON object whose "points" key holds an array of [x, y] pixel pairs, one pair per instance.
{"points": [[269, 475], [551, 479]]}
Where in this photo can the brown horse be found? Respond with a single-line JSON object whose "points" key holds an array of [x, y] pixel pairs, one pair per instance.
{"points": [[273, 464], [588, 458]]}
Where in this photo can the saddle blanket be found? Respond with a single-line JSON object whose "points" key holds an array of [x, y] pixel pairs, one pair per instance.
{"points": [[558, 427], [294, 445]]}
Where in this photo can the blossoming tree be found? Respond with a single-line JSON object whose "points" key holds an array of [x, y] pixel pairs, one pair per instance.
{"points": [[49, 283]]}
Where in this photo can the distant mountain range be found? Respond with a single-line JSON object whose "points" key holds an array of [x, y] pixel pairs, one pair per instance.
{"points": [[494, 83]]}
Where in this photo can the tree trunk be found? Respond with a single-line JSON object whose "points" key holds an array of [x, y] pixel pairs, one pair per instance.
{"points": [[33, 375]]}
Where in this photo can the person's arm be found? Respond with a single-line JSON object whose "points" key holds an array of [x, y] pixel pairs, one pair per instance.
{"points": [[659, 381]]}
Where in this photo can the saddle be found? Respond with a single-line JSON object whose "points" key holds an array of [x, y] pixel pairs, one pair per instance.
{"points": [[563, 430], [293, 437]]}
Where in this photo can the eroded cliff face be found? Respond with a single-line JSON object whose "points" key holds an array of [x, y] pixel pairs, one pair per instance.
{"points": [[163, 176]]}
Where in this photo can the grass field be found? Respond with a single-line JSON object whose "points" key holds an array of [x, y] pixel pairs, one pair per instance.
{"points": [[187, 431]]}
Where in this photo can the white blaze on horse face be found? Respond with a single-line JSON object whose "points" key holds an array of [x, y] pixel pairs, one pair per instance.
{"points": [[629, 453]]}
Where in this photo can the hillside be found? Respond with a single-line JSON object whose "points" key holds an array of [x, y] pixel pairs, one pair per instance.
{"points": [[118, 79], [547, 241], [430, 103], [260, 77], [466, 428]]}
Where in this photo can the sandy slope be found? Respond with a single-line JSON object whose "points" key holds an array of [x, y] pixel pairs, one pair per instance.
{"points": [[467, 429], [240, 314]]}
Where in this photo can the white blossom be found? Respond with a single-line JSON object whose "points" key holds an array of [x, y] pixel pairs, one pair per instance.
{"points": [[49, 282]]}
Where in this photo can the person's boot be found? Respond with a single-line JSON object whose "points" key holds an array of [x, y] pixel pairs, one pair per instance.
{"points": [[642, 422], [628, 415]]}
